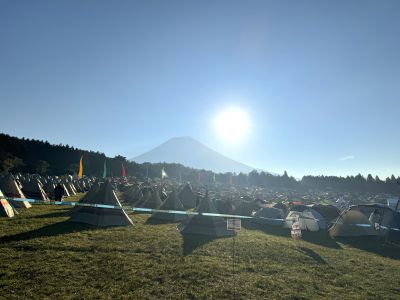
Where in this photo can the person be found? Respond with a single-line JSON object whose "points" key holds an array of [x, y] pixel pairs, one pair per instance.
{"points": [[375, 219], [58, 192]]}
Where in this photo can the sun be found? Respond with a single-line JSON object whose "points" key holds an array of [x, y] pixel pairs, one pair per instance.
{"points": [[232, 125]]}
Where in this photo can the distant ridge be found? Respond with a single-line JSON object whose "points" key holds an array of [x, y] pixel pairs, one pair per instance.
{"points": [[191, 153]]}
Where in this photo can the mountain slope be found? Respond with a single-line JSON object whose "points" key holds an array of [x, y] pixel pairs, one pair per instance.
{"points": [[189, 152]]}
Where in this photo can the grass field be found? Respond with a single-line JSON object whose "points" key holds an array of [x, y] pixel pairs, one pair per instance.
{"points": [[44, 257]]}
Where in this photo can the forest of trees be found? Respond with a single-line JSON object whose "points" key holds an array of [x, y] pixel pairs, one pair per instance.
{"points": [[34, 156]]}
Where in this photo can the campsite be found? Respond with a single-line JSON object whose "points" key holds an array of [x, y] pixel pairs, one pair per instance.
{"points": [[60, 251], [201, 149]]}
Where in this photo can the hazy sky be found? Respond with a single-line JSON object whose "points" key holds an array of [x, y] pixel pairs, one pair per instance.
{"points": [[319, 79]]}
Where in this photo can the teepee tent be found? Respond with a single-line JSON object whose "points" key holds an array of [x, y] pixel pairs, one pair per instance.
{"points": [[187, 196], [146, 194], [132, 195], [97, 216], [171, 203], [154, 201], [33, 189], [205, 225], [11, 189]]}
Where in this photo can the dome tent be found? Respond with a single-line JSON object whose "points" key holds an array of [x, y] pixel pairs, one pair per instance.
{"points": [[97, 216], [367, 220], [328, 212], [308, 218]]}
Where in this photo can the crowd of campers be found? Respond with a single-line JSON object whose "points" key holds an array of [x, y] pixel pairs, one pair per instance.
{"points": [[190, 205]]}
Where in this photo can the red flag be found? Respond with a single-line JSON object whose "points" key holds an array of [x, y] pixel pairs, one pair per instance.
{"points": [[123, 173]]}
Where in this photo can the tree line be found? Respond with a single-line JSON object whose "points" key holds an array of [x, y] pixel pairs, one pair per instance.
{"points": [[35, 156]]}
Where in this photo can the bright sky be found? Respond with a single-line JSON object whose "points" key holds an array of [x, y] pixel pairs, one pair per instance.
{"points": [[318, 80]]}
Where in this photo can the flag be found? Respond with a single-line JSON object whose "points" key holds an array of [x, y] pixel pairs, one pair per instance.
{"points": [[80, 173], [105, 169], [123, 172], [163, 174]]}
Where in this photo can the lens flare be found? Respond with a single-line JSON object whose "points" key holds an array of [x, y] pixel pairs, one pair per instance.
{"points": [[232, 125]]}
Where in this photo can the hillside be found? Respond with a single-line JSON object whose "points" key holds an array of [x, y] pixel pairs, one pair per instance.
{"points": [[44, 257], [190, 152]]}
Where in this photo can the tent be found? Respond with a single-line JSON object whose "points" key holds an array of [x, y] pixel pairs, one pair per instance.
{"points": [[225, 206], [367, 220], [309, 219], [328, 212], [133, 194], [187, 196], [6, 209], [103, 194], [70, 188], [33, 189], [11, 189], [205, 225], [152, 201], [281, 206], [49, 188], [269, 216], [171, 203]]}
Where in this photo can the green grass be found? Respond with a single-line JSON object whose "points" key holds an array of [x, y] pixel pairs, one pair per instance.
{"points": [[44, 257]]}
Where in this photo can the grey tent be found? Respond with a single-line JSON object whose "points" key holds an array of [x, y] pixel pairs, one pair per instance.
{"points": [[205, 225], [269, 216], [329, 212], [103, 194], [11, 189], [281, 206], [154, 201], [133, 194], [146, 195], [187, 196], [49, 188], [367, 220], [171, 203], [33, 189]]}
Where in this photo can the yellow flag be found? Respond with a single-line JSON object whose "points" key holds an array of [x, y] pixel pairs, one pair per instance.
{"points": [[80, 173]]}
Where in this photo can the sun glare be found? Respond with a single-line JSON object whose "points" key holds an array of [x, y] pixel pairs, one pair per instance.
{"points": [[232, 125]]}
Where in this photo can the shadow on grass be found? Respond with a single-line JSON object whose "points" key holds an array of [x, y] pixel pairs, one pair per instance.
{"points": [[374, 245], [155, 221], [47, 231], [193, 241], [321, 238], [314, 255], [58, 214]]}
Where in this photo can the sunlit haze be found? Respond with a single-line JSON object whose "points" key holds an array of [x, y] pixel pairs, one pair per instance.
{"points": [[232, 125]]}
